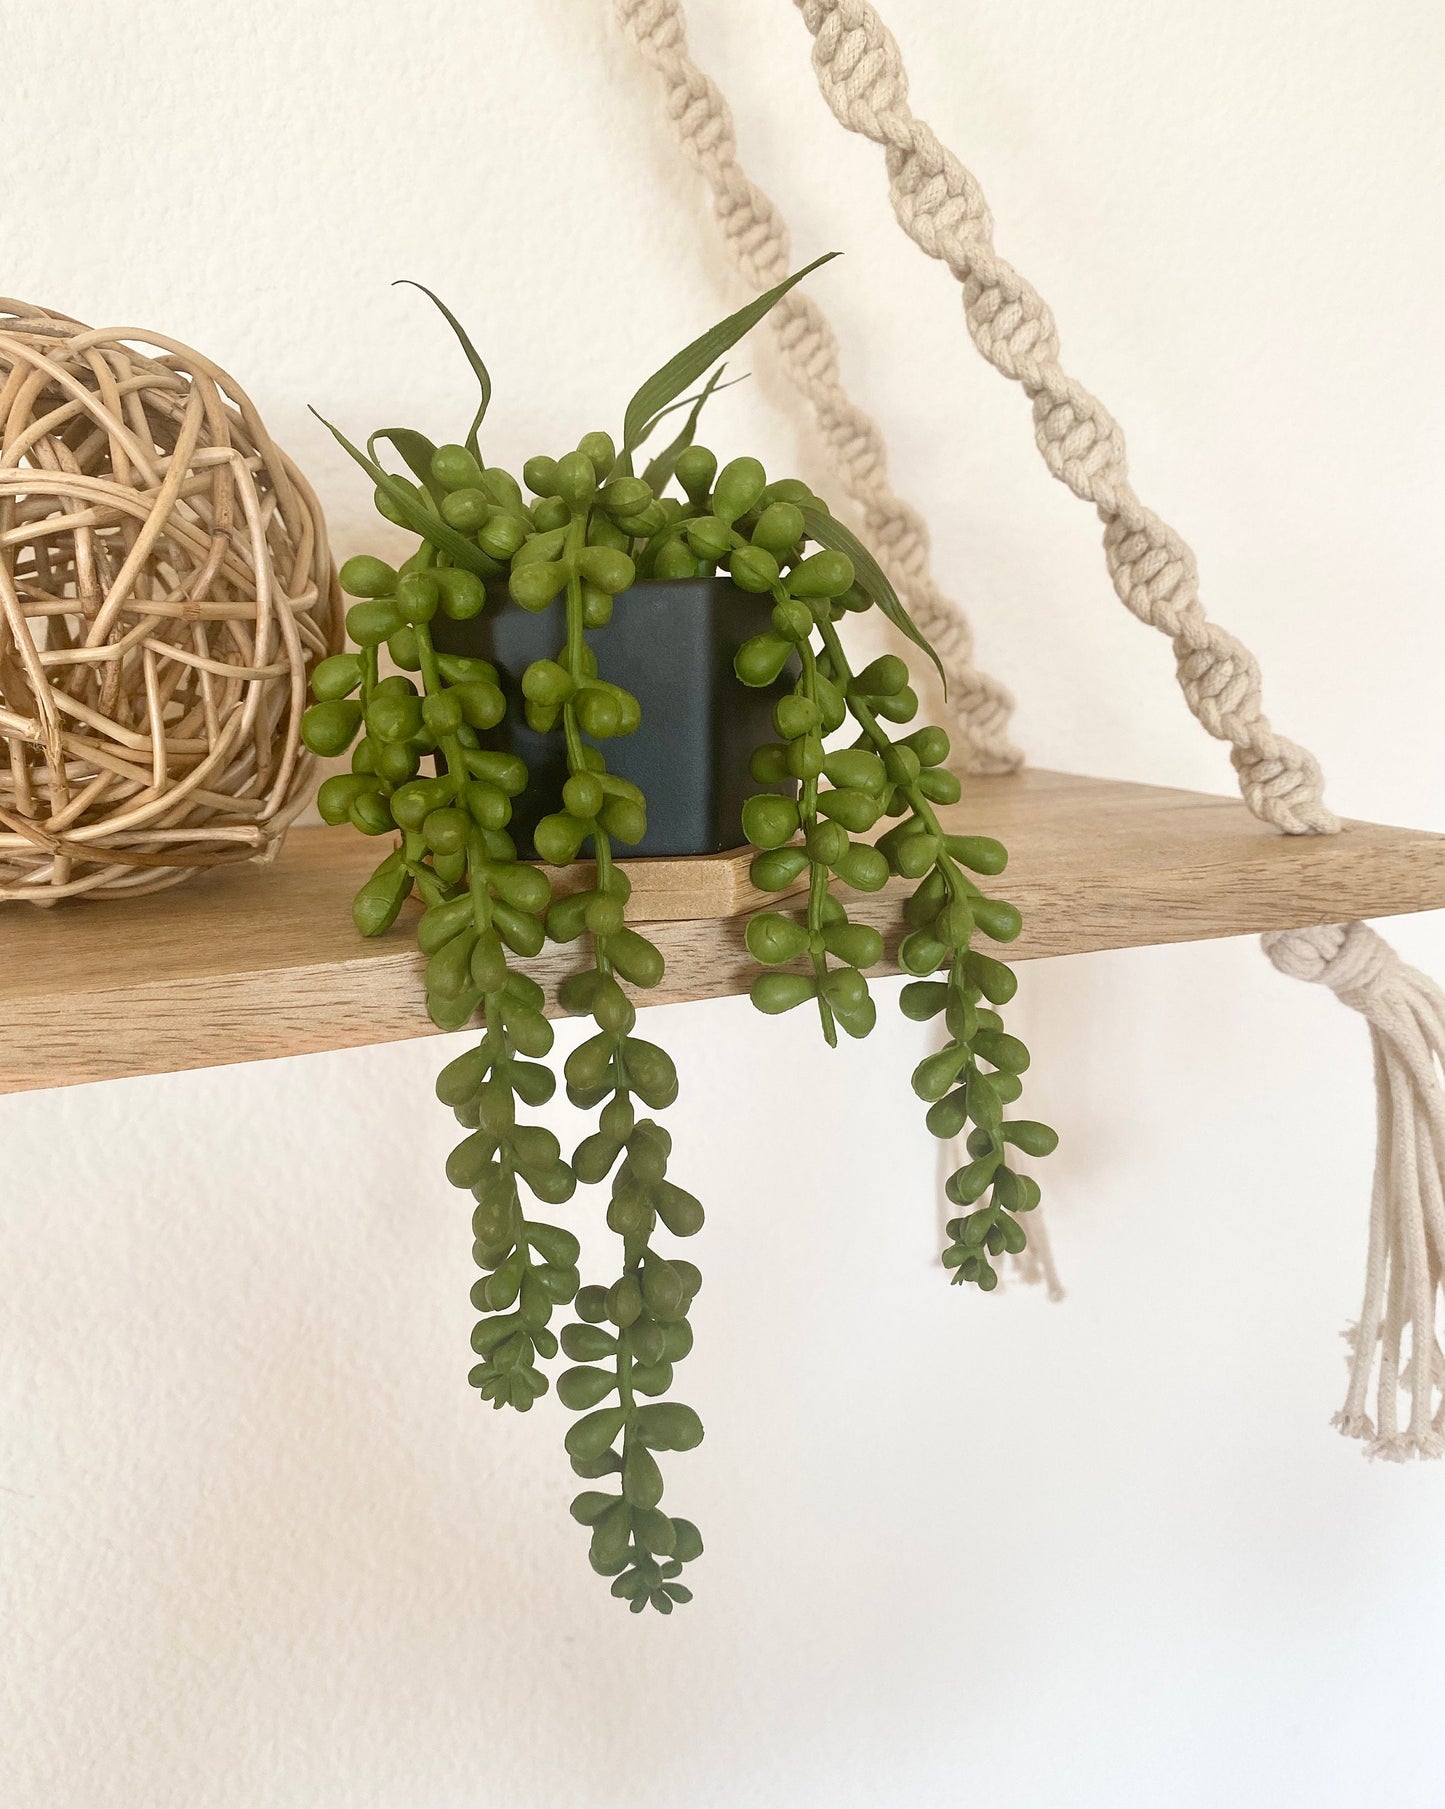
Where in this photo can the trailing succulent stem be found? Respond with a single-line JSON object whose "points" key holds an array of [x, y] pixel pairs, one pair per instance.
{"points": [[584, 529], [633, 1541], [484, 906], [843, 794]]}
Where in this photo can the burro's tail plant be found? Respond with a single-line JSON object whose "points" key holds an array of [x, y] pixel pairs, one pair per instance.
{"points": [[585, 526]]}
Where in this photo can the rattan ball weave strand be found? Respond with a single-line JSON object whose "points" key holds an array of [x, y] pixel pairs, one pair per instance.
{"points": [[165, 589]]}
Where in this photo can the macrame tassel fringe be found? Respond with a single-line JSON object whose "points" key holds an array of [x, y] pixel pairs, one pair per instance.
{"points": [[1403, 1274]]}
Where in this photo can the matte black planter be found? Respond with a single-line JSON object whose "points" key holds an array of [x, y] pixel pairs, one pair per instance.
{"points": [[671, 643]]}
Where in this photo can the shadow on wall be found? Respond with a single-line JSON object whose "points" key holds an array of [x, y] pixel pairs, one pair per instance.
{"points": [[268, 1513]]}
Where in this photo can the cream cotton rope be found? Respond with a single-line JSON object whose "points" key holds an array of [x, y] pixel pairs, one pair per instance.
{"points": [[941, 207], [757, 238], [1406, 1015]]}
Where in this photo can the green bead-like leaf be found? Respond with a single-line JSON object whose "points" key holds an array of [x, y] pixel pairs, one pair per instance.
{"points": [[641, 1477], [668, 1426], [584, 1387], [1032, 1138], [591, 1436]]}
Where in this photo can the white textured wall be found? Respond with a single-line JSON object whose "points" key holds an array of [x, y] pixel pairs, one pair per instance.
{"points": [[258, 1543]]}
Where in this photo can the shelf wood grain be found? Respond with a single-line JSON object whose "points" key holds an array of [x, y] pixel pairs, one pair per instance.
{"points": [[248, 963]]}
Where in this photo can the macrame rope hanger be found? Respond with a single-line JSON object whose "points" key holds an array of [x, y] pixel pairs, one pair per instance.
{"points": [[941, 207]]}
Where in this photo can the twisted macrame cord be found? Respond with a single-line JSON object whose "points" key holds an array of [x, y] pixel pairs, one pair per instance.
{"points": [[757, 239], [940, 205]]}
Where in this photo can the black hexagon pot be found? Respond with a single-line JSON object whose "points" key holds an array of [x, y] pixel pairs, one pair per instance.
{"points": [[671, 643]]}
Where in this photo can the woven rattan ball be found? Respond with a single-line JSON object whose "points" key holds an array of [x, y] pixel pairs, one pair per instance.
{"points": [[165, 589]]}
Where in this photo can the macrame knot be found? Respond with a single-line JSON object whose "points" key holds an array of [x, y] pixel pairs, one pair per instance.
{"points": [[1350, 958], [1282, 784]]}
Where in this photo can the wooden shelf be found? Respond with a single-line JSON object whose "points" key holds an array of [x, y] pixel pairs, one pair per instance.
{"points": [[247, 963]]}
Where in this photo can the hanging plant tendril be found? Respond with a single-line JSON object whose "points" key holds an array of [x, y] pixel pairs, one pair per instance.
{"points": [[585, 529]]}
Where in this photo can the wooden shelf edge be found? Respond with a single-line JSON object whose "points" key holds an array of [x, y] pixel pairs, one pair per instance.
{"points": [[246, 966]]}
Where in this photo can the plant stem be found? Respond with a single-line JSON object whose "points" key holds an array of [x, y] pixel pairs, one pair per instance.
{"points": [[954, 879], [576, 646], [451, 749], [817, 872], [959, 886]]}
